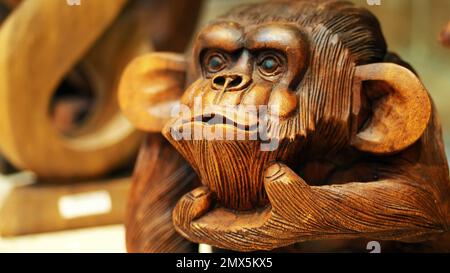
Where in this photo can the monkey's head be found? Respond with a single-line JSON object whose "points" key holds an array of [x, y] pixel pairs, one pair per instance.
{"points": [[315, 68]]}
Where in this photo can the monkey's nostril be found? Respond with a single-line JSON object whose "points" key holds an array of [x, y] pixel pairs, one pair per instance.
{"points": [[230, 82], [220, 81], [236, 81]]}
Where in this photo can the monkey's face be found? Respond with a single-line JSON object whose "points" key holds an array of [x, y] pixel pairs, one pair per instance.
{"points": [[256, 65], [237, 108]]}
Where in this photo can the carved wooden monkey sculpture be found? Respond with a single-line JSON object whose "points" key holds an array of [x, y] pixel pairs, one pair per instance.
{"points": [[360, 151]]}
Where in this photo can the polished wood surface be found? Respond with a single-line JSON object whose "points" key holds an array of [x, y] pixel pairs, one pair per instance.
{"points": [[33, 66], [161, 177], [59, 113], [66, 74], [360, 151]]}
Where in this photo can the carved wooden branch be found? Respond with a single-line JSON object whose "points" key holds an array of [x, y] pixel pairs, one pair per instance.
{"points": [[81, 49]]}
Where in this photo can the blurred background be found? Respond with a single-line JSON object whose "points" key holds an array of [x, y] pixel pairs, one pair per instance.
{"points": [[66, 153]]}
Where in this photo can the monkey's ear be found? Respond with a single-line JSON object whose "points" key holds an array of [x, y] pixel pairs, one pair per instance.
{"points": [[400, 109], [150, 86]]}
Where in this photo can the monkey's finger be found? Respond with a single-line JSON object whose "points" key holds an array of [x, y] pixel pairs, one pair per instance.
{"points": [[285, 188], [190, 207]]}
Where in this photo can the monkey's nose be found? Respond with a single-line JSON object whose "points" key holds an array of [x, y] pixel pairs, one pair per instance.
{"points": [[231, 82]]}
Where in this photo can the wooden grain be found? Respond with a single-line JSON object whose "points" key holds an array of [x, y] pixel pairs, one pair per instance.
{"points": [[360, 152], [161, 177], [97, 38]]}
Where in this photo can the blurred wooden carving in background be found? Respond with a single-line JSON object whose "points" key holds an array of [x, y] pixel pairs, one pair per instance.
{"points": [[62, 63], [59, 117]]}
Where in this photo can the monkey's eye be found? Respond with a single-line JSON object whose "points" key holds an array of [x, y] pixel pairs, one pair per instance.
{"points": [[270, 65], [214, 62]]}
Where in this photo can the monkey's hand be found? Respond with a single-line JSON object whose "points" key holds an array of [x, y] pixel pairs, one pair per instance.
{"points": [[299, 212], [190, 207], [264, 229]]}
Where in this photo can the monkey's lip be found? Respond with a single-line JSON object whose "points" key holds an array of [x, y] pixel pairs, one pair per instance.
{"points": [[218, 120], [223, 118]]}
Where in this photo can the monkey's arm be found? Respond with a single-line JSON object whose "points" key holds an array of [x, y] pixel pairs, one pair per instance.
{"points": [[379, 210], [161, 177]]}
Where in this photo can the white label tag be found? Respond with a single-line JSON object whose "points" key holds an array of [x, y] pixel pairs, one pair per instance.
{"points": [[204, 248], [84, 204]]}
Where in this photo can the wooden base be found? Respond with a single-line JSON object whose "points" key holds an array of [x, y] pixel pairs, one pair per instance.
{"points": [[28, 207]]}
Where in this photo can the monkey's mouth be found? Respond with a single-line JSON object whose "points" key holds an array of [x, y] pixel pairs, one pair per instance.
{"points": [[219, 120], [219, 124]]}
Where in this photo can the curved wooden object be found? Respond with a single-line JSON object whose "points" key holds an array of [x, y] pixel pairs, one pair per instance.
{"points": [[32, 65], [390, 131], [96, 39]]}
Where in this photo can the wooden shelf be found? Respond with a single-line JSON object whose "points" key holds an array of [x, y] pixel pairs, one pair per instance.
{"points": [[29, 207]]}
